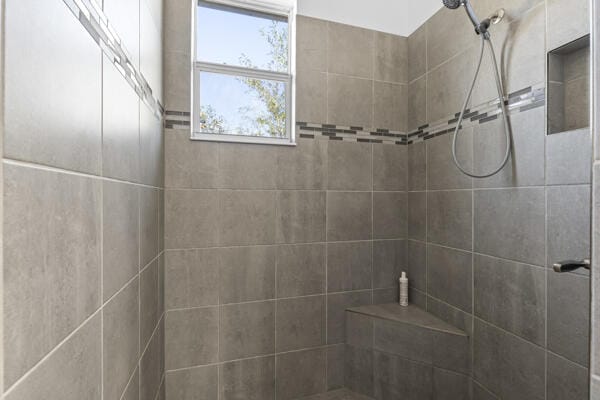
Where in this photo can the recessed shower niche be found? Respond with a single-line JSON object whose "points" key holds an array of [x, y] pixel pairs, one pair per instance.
{"points": [[568, 87]]}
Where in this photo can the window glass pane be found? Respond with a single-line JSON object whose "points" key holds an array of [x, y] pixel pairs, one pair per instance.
{"points": [[236, 105], [227, 35]]}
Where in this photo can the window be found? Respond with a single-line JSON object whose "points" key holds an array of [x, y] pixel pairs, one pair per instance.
{"points": [[242, 89]]}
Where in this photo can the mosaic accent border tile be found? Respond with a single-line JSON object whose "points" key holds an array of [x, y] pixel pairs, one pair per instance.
{"points": [[93, 19], [517, 102], [350, 133], [177, 119]]}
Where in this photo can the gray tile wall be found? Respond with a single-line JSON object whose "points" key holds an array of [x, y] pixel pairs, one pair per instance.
{"points": [[82, 190], [595, 316], [480, 251], [266, 246]]}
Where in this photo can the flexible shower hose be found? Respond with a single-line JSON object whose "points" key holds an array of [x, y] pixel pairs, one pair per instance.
{"points": [[500, 89]]}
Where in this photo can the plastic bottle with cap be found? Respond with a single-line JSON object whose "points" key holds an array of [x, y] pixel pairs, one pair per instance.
{"points": [[403, 290]]}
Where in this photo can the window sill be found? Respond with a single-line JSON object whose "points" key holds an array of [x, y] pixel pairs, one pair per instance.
{"points": [[203, 137]]}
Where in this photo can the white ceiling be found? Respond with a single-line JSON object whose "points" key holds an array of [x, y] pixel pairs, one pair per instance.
{"points": [[400, 17]]}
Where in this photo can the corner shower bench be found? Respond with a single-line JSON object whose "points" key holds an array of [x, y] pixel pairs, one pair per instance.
{"points": [[405, 353]]}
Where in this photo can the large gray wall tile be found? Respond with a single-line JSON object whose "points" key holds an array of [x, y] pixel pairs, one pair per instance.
{"points": [[452, 352], [38, 83], [390, 106], [51, 261], [510, 367], [449, 217], [252, 379], [350, 50], [349, 166], [566, 380], [450, 314], [246, 217], [335, 366], [191, 337], [568, 316], [149, 224], [526, 64], [439, 49], [569, 220], [349, 101], [568, 158], [391, 58], [450, 385], [125, 19], [349, 216], [417, 215], [300, 323], [510, 223], [190, 164], [349, 266], [120, 235], [177, 79], [151, 48], [481, 393], [191, 278], [191, 218], [301, 373], [132, 392], [200, 383], [311, 96], [450, 276], [417, 166], [417, 104], [359, 330], [300, 216], [567, 21], [247, 273], [389, 215], [358, 370], [120, 126], [417, 53], [121, 340], [511, 296], [311, 49], [394, 376], [300, 270], [407, 341], [441, 171], [151, 148], [246, 166], [337, 303], [150, 312], [390, 169], [416, 264], [72, 372], [446, 84], [246, 330], [526, 165], [303, 166], [389, 260]]}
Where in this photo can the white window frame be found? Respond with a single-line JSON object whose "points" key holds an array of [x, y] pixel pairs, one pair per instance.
{"points": [[275, 8]]}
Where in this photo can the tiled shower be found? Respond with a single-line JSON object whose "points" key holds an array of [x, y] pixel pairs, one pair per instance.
{"points": [[141, 265]]}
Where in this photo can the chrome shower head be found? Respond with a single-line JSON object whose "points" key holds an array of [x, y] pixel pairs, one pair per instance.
{"points": [[481, 27], [452, 4]]}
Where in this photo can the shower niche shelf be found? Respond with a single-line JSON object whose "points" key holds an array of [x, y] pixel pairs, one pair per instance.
{"points": [[568, 97]]}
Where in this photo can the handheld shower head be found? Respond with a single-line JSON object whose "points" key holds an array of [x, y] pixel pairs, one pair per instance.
{"points": [[452, 4], [481, 27]]}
